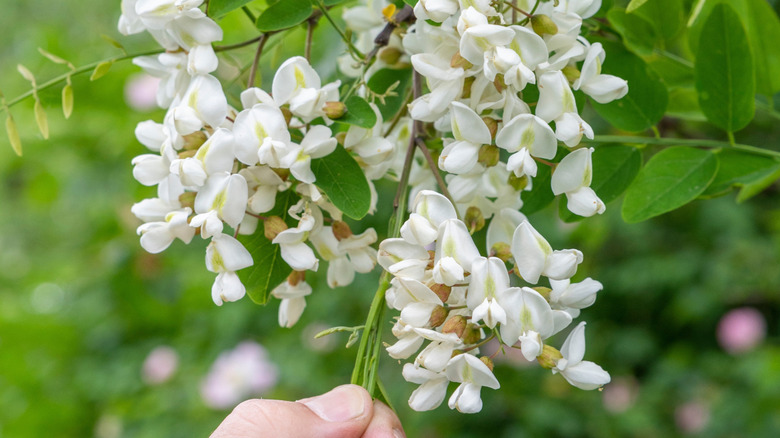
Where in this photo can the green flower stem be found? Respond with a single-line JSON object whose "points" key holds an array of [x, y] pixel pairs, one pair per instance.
{"points": [[681, 142], [353, 50], [64, 77]]}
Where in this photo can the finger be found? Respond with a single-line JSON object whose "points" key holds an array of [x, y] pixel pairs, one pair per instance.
{"points": [[384, 423], [344, 412]]}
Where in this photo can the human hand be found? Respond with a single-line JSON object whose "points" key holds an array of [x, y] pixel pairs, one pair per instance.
{"points": [[346, 411]]}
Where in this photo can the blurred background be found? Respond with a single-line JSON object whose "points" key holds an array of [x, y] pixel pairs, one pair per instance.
{"points": [[99, 338]]}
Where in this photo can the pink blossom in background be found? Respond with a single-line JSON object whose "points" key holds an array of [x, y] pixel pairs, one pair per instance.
{"points": [[238, 374], [740, 330], [692, 417], [620, 394], [141, 92], [160, 365]]}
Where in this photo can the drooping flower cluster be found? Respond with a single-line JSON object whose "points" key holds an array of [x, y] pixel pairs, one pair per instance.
{"points": [[216, 167], [455, 300], [497, 98]]}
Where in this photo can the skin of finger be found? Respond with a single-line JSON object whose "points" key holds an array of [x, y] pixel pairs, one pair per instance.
{"points": [[384, 423], [283, 419]]}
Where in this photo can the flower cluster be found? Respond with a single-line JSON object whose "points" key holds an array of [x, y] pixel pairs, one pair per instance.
{"points": [[216, 166], [457, 300], [493, 96]]}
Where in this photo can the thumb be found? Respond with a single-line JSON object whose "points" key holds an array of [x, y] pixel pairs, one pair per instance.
{"points": [[343, 412]]}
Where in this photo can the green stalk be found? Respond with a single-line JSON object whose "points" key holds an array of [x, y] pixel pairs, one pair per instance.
{"points": [[681, 142]]}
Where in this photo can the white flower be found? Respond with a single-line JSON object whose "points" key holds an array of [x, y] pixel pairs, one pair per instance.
{"points": [[430, 210], [530, 320], [556, 103], [157, 236], [470, 134], [297, 84], [227, 287], [535, 257], [293, 301], [261, 135], [572, 297], [582, 374], [432, 389], [472, 374], [454, 247], [317, 143], [489, 280], [225, 194], [202, 104], [436, 355], [263, 185], [435, 10], [403, 259], [573, 176], [226, 254], [294, 249]]}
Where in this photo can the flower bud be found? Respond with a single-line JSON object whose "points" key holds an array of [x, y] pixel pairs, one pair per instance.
{"points": [[187, 199], [542, 24], [488, 155], [273, 226], [438, 316], [474, 219], [283, 173], [341, 230], [502, 250], [390, 55], [340, 137], [487, 361], [442, 291], [187, 153], [571, 73], [456, 324], [492, 125], [543, 291], [334, 110], [296, 277], [288, 115], [499, 83], [195, 140], [431, 258], [518, 183], [549, 357], [467, 83], [472, 334], [459, 61]]}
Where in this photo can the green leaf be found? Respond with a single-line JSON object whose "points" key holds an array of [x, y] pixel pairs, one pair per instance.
{"points": [[218, 8], [755, 187], [101, 70], [634, 5], [269, 269], [647, 97], [359, 113], [763, 30], [724, 71], [670, 179], [284, 15], [665, 16], [385, 78], [637, 33], [25, 72], [737, 169], [342, 179], [684, 104], [411, 3], [614, 168]]}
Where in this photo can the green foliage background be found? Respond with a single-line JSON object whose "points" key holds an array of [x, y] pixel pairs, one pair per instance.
{"points": [[81, 305]]}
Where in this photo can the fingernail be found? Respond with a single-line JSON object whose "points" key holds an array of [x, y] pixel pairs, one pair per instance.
{"points": [[397, 433], [340, 404]]}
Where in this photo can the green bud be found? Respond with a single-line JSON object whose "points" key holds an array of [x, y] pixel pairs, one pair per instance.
{"points": [[488, 155], [334, 110], [549, 357], [474, 219], [492, 125], [499, 83], [194, 141], [467, 83], [296, 277], [501, 250], [543, 291], [472, 334], [487, 361], [389, 55], [187, 199], [518, 183], [542, 24], [571, 73], [273, 226]]}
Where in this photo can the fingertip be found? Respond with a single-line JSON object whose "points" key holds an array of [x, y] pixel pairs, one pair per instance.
{"points": [[384, 423]]}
